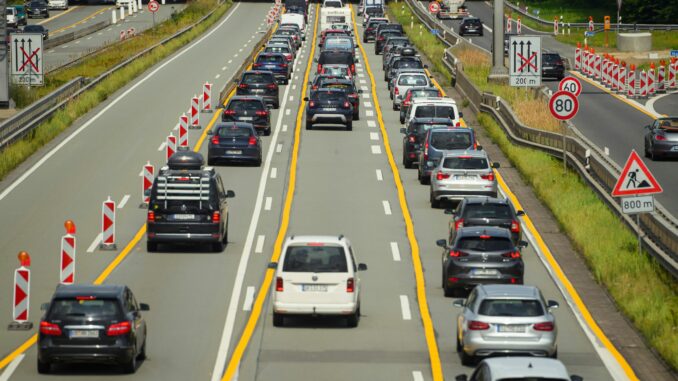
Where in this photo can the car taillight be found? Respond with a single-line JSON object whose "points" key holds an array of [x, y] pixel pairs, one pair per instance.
{"points": [[284, 65], [216, 217], [256, 65], [50, 329], [288, 56], [369, 29], [272, 86], [442, 175], [215, 139], [457, 254], [311, 104], [229, 112], [546, 326], [252, 141], [242, 86], [350, 285], [475, 325], [381, 38], [660, 137], [314, 87], [515, 226], [320, 68], [347, 104], [512, 255], [488, 177], [459, 224], [396, 91], [119, 329], [261, 113], [279, 284], [150, 217], [458, 124], [406, 103], [353, 68], [412, 139], [426, 151]]}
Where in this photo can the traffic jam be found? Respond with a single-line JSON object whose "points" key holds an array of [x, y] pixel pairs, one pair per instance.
{"points": [[188, 204]]}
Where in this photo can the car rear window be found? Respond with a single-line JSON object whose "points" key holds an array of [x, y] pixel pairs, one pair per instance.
{"points": [[666, 124], [243, 105], [332, 4], [340, 86], [469, 163], [424, 93], [316, 259], [434, 111], [251, 78], [234, 132], [473, 22], [335, 57], [329, 95], [74, 307], [551, 58], [270, 59], [484, 243], [374, 11], [448, 140], [511, 307], [408, 62], [412, 80], [277, 49], [338, 43], [374, 23], [423, 127], [336, 70], [487, 211]]}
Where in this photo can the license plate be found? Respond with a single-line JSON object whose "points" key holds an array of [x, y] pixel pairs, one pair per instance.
{"points": [[463, 177], [246, 118], [184, 216], [330, 109], [511, 328], [233, 152], [257, 91], [547, 67], [314, 287], [484, 272], [83, 334], [674, 148]]}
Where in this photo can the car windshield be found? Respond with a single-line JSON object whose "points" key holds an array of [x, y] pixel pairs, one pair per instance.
{"points": [[85, 306], [484, 243], [511, 307], [270, 59], [487, 211], [234, 132], [332, 4], [245, 106], [11, 10], [434, 111], [33, 28], [345, 87], [251, 78], [316, 259], [465, 162], [412, 80]]}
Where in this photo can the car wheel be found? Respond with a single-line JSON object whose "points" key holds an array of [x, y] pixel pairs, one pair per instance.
{"points": [[276, 105], [459, 346], [309, 125], [211, 162], [142, 352], [402, 119], [555, 354], [258, 162], [467, 359], [349, 126], [131, 365], [218, 247], [353, 319], [449, 292], [44, 367], [356, 115], [267, 132], [278, 320], [151, 247], [406, 163], [435, 204]]}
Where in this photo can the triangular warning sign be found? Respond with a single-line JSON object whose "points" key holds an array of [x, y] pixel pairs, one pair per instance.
{"points": [[635, 179]]}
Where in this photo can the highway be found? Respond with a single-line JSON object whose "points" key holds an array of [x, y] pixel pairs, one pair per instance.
{"points": [[342, 183]]}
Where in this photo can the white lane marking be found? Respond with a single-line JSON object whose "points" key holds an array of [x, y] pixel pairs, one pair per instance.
{"points": [[269, 202], [99, 34], [240, 50], [176, 127], [229, 61], [223, 68], [366, 96], [278, 148], [294, 87], [287, 112], [123, 201], [259, 247], [387, 207], [361, 75], [369, 113], [217, 76], [236, 54], [405, 307], [284, 128], [371, 123], [229, 323], [368, 104], [649, 106], [141, 174], [291, 98], [417, 375], [64, 47], [380, 176], [274, 173], [89, 38], [115, 101], [376, 150], [395, 251], [95, 243], [296, 77], [362, 81], [249, 300], [487, 28], [12, 367], [77, 42], [162, 146], [374, 136], [363, 88]]}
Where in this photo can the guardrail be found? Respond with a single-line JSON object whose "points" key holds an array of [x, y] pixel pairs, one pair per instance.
{"points": [[70, 36], [659, 229]]}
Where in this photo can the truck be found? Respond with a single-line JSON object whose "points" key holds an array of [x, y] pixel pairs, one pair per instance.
{"points": [[452, 9]]}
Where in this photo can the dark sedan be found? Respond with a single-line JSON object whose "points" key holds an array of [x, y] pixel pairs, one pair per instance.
{"points": [[415, 134], [348, 87], [277, 64], [259, 83], [471, 25], [37, 29], [481, 255], [380, 39], [234, 142], [248, 109], [552, 65], [661, 138], [329, 106], [38, 9], [485, 211]]}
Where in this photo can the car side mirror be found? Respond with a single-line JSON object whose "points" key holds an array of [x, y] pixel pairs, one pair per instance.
{"points": [[315, 60], [449, 211], [442, 243], [236, 81], [552, 304], [360, 91], [648, 127], [574, 377], [306, 99], [210, 133], [495, 165], [144, 307], [44, 306], [362, 267], [459, 303], [461, 114], [425, 66], [479, 147], [522, 244], [520, 213], [272, 265], [230, 194], [403, 130]]}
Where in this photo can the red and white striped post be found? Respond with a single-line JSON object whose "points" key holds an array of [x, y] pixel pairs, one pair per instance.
{"points": [[597, 68], [642, 84], [122, 35], [68, 244], [171, 146], [615, 75], [195, 112], [22, 293], [622, 77], [146, 184], [183, 132], [631, 81], [555, 25], [207, 97], [577, 57], [591, 59], [604, 76], [108, 225], [651, 79], [661, 77], [585, 62], [673, 72], [509, 21], [519, 25]]}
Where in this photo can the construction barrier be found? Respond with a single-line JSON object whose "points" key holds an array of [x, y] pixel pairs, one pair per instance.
{"points": [[642, 85], [519, 26], [207, 97], [631, 82], [622, 77], [195, 112], [171, 146], [661, 78], [67, 265], [146, 184], [108, 225], [21, 295], [673, 72], [183, 132], [577, 57]]}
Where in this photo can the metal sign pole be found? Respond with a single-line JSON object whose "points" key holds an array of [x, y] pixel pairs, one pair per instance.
{"points": [[640, 242], [564, 124]]}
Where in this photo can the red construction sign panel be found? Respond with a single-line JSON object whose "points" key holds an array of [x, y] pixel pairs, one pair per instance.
{"points": [[635, 179]]}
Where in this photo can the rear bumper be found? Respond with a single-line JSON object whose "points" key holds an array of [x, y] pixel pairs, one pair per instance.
{"points": [[330, 117], [314, 309], [247, 154], [88, 353], [475, 345], [665, 148], [459, 194], [177, 233]]}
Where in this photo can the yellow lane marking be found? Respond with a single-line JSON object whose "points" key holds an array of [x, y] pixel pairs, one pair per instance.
{"points": [[21, 349], [429, 332], [81, 21], [258, 306], [57, 16], [442, 91]]}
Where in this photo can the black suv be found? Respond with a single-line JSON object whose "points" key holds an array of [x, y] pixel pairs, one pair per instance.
{"points": [[481, 255], [85, 323], [336, 57], [552, 65], [37, 9], [415, 134], [260, 83], [348, 87], [371, 30], [188, 204], [404, 61], [485, 211], [471, 25], [329, 106], [248, 109], [382, 35]]}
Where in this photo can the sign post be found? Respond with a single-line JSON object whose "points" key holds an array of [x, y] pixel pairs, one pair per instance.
{"points": [[153, 6], [433, 7], [564, 106], [525, 61], [26, 66]]}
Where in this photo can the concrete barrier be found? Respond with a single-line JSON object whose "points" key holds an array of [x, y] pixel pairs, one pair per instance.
{"points": [[634, 42]]}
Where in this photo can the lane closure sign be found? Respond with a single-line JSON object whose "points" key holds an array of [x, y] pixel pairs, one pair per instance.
{"points": [[524, 61]]}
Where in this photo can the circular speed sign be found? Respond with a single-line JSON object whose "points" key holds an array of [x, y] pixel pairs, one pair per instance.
{"points": [[571, 85], [563, 105], [153, 6], [433, 7]]}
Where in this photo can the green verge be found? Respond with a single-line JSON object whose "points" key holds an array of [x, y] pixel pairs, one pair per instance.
{"points": [[641, 288], [19, 151]]}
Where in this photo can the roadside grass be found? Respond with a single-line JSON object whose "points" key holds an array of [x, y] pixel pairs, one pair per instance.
{"points": [[661, 39], [19, 151], [642, 289], [571, 11]]}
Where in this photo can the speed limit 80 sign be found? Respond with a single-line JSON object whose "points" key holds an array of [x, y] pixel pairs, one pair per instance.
{"points": [[563, 105]]}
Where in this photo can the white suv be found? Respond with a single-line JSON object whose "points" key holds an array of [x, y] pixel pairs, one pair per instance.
{"points": [[317, 275], [519, 369], [442, 107]]}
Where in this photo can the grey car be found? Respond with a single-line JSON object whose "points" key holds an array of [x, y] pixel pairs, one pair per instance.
{"points": [[661, 138], [436, 143], [519, 369], [505, 319], [461, 174]]}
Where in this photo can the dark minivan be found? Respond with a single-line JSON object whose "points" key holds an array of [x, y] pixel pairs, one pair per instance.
{"points": [[340, 57]]}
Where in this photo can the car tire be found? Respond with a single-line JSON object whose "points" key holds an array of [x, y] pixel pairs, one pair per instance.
{"points": [[258, 162], [435, 204], [44, 367], [449, 292], [218, 247], [349, 126], [406, 163], [356, 115], [142, 352], [459, 346], [151, 247], [278, 320], [395, 107], [276, 105], [130, 367], [309, 125], [555, 354], [353, 319], [467, 359], [402, 119], [267, 131], [211, 162]]}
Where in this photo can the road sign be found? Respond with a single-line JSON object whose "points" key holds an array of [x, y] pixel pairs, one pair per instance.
{"points": [[635, 179], [589, 34], [563, 105], [674, 53], [525, 61], [26, 65], [606, 22], [153, 6], [433, 7], [640, 204], [571, 85]]}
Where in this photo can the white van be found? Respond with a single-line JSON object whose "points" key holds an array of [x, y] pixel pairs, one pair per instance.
{"points": [[296, 19], [317, 275], [11, 16]]}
